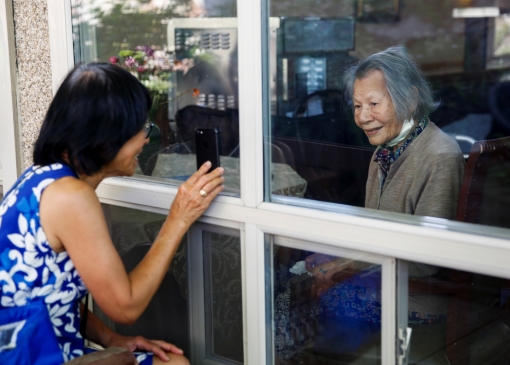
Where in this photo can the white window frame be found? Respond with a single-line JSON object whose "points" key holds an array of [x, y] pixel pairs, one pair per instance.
{"points": [[10, 162], [427, 240]]}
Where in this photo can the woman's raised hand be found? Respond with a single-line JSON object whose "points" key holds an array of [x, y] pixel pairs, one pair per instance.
{"points": [[195, 195]]}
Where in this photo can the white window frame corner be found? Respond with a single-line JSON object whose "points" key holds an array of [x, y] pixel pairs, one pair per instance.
{"points": [[10, 147], [60, 30]]}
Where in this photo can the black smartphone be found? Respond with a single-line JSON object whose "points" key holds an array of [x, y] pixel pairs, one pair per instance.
{"points": [[207, 142]]}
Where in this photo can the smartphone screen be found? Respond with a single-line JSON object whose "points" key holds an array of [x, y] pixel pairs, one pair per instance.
{"points": [[207, 144]]}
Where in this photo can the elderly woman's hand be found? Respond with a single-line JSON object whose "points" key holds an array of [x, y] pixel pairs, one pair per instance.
{"points": [[196, 194], [326, 270]]}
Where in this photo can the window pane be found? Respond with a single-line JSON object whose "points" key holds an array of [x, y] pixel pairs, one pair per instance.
{"points": [[457, 317], [326, 308], [327, 128], [166, 316], [223, 298], [185, 52]]}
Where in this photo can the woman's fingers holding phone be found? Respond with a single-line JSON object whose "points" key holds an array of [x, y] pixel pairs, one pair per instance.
{"points": [[202, 182], [200, 172], [213, 179], [212, 187], [195, 195]]}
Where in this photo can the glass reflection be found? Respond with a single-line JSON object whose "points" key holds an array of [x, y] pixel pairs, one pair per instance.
{"points": [[166, 317], [467, 317], [223, 293], [464, 60], [185, 53], [327, 309]]}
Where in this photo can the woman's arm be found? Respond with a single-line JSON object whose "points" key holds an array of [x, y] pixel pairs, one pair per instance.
{"points": [[73, 220]]}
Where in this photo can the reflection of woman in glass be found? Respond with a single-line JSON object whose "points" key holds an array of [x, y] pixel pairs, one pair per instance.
{"points": [[416, 169], [54, 241]]}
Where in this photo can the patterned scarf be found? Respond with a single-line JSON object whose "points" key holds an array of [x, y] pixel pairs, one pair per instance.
{"points": [[385, 157]]}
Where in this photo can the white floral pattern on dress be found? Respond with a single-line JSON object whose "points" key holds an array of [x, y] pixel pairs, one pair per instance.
{"points": [[31, 270]]}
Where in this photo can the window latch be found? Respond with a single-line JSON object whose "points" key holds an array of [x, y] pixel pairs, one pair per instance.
{"points": [[403, 345]]}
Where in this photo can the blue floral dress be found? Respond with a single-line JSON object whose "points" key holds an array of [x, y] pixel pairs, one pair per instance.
{"points": [[31, 270]]}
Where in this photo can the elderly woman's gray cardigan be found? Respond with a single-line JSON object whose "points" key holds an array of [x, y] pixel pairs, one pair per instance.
{"points": [[425, 179]]}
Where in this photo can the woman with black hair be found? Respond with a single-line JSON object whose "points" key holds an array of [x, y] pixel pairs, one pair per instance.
{"points": [[54, 241]]}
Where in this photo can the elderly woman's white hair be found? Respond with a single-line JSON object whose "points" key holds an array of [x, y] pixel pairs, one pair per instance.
{"points": [[409, 91]]}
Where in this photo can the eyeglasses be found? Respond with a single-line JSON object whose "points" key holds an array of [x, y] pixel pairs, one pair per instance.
{"points": [[148, 129]]}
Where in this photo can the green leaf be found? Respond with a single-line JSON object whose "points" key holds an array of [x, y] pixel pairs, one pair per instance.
{"points": [[139, 55], [126, 53]]}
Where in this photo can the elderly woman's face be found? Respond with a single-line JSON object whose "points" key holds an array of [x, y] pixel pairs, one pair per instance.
{"points": [[373, 109]]}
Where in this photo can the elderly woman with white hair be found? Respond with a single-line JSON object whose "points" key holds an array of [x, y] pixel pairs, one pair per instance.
{"points": [[416, 169]]}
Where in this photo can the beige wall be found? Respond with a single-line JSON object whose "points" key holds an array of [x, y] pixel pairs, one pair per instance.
{"points": [[34, 70], [425, 27]]}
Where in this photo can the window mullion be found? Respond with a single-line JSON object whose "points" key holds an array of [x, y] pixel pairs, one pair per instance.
{"points": [[250, 101], [388, 315], [254, 301]]}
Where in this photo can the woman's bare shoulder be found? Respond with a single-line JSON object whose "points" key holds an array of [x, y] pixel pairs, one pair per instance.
{"points": [[65, 199], [62, 208], [69, 190]]}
